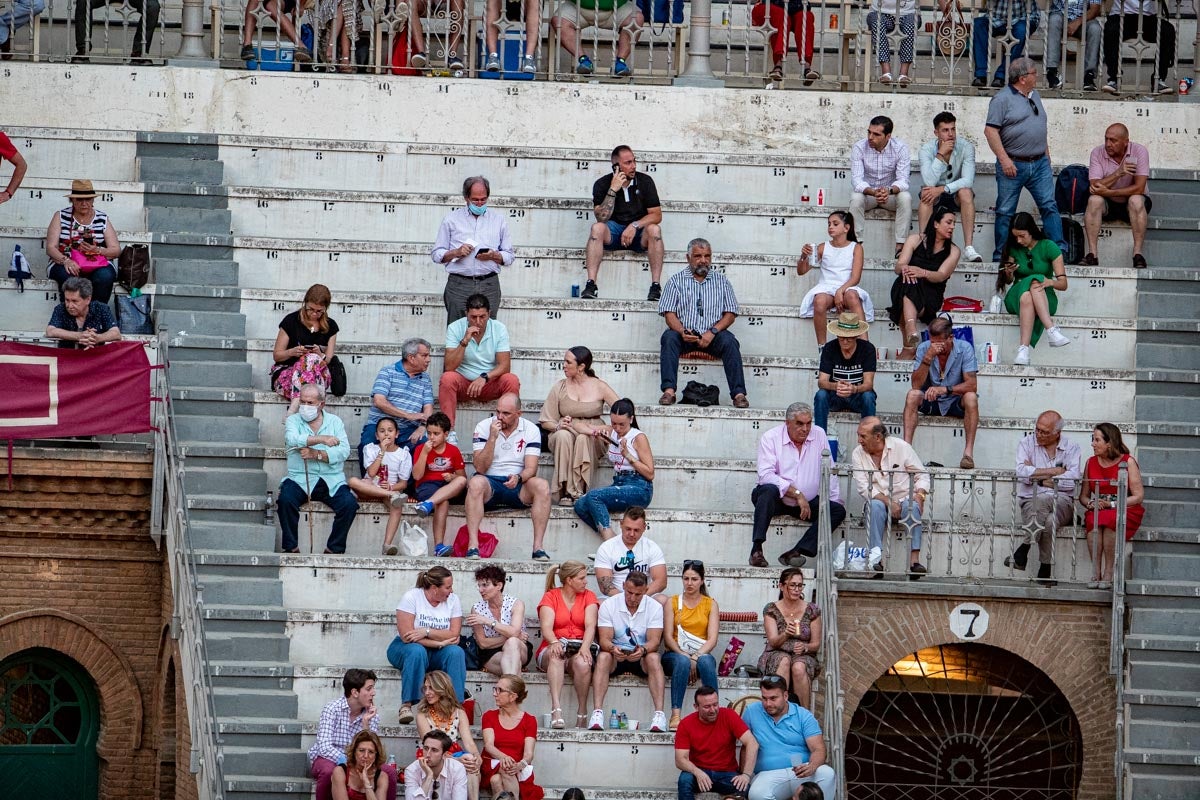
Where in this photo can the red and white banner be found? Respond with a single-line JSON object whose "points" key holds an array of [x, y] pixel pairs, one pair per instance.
{"points": [[50, 392]]}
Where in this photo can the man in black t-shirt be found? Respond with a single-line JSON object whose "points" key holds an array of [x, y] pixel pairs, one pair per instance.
{"points": [[846, 379], [628, 215]]}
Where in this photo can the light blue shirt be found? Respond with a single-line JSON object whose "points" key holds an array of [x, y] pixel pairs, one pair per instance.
{"points": [[489, 229], [961, 360], [958, 174], [296, 436], [779, 740], [480, 357]]}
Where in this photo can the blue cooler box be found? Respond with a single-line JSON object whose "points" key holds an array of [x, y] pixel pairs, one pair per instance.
{"points": [[512, 48], [273, 57]]}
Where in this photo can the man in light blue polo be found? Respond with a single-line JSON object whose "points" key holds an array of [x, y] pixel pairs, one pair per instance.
{"points": [[791, 749], [945, 384], [403, 392], [317, 448]]}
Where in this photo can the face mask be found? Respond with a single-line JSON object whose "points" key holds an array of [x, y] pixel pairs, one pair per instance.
{"points": [[309, 413], [477, 210]]}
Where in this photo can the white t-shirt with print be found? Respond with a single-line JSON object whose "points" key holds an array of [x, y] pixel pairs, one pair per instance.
{"points": [[508, 457], [615, 614], [430, 616], [614, 555], [396, 466]]}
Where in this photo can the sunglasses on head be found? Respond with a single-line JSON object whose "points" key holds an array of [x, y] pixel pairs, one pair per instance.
{"points": [[773, 682], [688, 563]]}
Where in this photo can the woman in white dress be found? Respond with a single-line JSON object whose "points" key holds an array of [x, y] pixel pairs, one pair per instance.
{"points": [[841, 263]]}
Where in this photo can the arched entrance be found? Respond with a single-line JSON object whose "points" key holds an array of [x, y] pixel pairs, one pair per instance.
{"points": [[49, 723], [963, 722]]}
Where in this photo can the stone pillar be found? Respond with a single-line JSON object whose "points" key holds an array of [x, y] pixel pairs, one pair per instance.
{"points": [[699, 68], [191, 50]]}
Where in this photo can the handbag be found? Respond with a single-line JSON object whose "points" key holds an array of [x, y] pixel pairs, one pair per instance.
{"points": [[960, 303], [952, 34], [133, 314], [133, 266], [470, 649], [487, 543], [337, 379], [688, 642], [87, 263], [699, 394]]}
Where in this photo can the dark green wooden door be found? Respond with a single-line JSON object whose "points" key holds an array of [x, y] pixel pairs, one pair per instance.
{"points": [[49, 722]]}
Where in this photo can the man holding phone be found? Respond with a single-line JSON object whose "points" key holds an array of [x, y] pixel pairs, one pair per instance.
{"points": [[628, 216], [472, 244], [630, 627], [1117, 173]]}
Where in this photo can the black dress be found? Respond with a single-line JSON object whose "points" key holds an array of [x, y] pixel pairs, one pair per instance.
{"points": [[926, 296]]}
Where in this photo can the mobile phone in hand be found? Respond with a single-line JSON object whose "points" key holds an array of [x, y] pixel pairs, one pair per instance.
{"points": [[483, 250]]}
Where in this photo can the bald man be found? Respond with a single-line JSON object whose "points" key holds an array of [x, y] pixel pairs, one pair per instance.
{"points": [[1048, 472], [507, 447], [1117, 173]]}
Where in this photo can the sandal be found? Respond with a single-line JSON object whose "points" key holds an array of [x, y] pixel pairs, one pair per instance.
{"points": [[886, 78], [580, 720], [776, 73], [905, 81], [556, 719], [344, 65]]}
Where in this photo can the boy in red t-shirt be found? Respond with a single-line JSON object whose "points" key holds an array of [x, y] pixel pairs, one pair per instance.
{"points": [[441, 477]]}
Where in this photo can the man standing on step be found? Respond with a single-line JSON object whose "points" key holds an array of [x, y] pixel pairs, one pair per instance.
{"points": [[1048, 472], [317, 448], [628, 215], [699, 307], [789, 482], [506, 451], [478, 360], [1117, 174], [1016, 131], [791, 749], [340, 722], [472, 243], [706, 750]]}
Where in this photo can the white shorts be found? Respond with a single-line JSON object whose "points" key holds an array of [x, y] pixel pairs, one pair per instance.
{"points": [[584, 17]]}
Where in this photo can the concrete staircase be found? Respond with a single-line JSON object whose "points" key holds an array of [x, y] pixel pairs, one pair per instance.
{"points": [[1161, 671], [186, 207]]}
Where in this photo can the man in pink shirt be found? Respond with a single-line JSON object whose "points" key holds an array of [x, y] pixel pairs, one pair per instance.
{"points": [[789, 482], [1118, 171]]}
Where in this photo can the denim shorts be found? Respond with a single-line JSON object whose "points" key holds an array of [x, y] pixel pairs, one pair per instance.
{"points": [[615, 229], [502, 496]]}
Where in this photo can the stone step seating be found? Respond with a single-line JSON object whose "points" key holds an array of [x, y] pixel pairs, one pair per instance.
{"points": [[551, 271], [39, 199], [1103, 342], [1010, 391]]}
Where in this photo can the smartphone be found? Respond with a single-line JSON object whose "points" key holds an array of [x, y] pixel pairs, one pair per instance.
{"points": [[483, 250]]}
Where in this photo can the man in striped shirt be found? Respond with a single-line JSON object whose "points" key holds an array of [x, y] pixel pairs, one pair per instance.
{"points": [[699, 307]]}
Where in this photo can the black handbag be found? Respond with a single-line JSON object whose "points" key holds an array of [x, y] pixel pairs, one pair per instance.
{"points": [[133, 266], [470, 649], [337, 377], [699, 394]]}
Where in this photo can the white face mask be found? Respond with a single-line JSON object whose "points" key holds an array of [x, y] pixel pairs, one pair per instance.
{"points": [[309, 413]]}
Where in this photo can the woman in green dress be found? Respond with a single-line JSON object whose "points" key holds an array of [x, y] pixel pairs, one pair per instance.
{"points": [[1034, 266]]}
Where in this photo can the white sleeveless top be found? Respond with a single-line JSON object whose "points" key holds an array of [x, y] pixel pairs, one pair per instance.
{"points": [[616, 452]]}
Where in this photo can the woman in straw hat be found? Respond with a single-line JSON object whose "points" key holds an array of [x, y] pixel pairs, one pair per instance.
{"points": [[81, 242]]}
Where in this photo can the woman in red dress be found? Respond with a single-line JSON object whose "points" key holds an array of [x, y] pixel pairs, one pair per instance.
{"points": [[509, 736], [1099, 497]]}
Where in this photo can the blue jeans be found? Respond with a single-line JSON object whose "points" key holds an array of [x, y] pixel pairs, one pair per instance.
{"points": [[343, 503], [679, 667], [724, 346], [826, 400], [414, 660], [20, 15], [910, 518], [980, 28], [102, 281], [628, 489], [722, 784], [1038, 178]]}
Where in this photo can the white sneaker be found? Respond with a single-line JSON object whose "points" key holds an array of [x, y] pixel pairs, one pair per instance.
{"points": [[596, 723], [658, 723], [971, 254], [1056, 337], [452, 438], [1022, 358]]}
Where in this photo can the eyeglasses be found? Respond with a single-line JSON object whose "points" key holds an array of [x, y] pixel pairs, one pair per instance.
{"points": [[1032, 104], [794, 585], [689, 563], [436, 786], [773, 682], [501, 689], [626, 562]]}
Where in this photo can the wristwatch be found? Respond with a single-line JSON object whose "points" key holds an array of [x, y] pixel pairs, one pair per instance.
{"points": [[484, 375]]}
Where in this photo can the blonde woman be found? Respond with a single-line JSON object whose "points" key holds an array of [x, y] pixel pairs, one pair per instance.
{"points": [[440, 711], [568, 616]]}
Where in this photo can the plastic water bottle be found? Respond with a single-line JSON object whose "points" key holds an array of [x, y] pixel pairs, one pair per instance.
{"points": [[392, 759], [833, 443], [614, 722], [18, 268]]}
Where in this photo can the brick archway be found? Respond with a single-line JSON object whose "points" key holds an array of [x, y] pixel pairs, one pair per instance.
{"points": [[1068, 642], [121, 711]]}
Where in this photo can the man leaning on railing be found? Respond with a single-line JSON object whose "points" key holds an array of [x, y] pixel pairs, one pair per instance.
{"points": [[891, 479], [1047, 473]]}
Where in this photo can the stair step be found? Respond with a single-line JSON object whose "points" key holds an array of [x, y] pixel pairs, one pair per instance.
{"points": [[1154, 671], [230, 646], [1156, 756], [210, 480], [188, 219], [210, 535], [1165, 588], [240, 760], [254, 703], [189, 372], [267, 787], [1169, 561], [219, 323], [180, 170], [214, 272], [1160, 698], [1162, 781], [1188, 644], [240, 592], [1164, 727]]}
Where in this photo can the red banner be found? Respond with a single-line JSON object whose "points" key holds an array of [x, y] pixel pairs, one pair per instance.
{"points": [[50, 392]]}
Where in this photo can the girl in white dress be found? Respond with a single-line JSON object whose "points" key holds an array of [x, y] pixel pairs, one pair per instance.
{"points": [[841, 263]]}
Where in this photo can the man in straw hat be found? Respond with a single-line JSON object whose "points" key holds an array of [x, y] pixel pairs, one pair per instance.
{"points": [[846, 375]]}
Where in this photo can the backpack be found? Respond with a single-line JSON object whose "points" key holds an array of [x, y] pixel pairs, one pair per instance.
{"points": [[1071, 189], [133, 266], [1073, 236]]}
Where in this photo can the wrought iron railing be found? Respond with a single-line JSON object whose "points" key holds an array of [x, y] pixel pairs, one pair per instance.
{"points": [[827, 600]]}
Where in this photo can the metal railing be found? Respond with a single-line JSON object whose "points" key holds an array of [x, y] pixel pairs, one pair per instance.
{"points": [[170, 508], [832, 44], [1116, 664], [827, 600]]}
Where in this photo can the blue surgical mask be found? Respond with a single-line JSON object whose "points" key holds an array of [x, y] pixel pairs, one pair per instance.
{"points": [[478, 211]]}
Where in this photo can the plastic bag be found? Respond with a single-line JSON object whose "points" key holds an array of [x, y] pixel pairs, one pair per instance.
{"points": [[856, 558], [839, 555], [414, 542]]}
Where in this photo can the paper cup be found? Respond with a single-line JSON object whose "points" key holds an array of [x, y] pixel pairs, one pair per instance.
{"points": [[546, 719], [633, 724]]}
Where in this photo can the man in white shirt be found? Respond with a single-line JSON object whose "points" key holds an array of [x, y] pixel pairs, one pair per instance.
{"points": [[630, 627], [879, 167], [472, 243], [435, 774], [948, 171], [631, 552], [893, 482], [507, 447]]}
